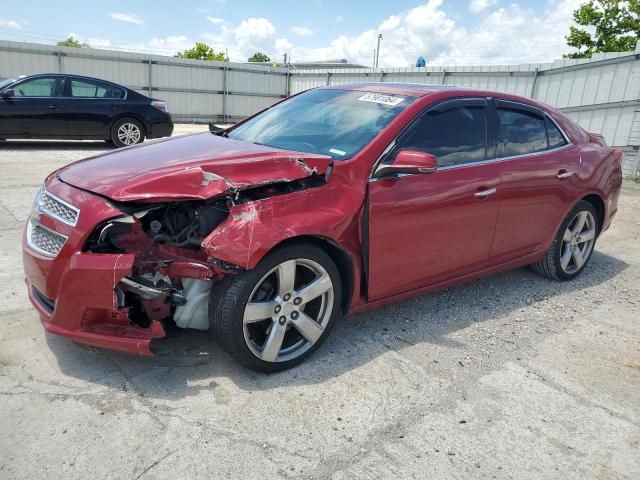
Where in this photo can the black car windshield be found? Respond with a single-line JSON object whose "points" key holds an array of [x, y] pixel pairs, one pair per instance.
{"points": [[338, 123], [4, 83]]}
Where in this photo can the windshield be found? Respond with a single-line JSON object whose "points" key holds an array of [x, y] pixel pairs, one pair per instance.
{"points": [[338, 123], [6, 82]]}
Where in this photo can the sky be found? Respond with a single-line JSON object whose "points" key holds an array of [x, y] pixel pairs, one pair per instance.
{"points": [[444, 32]]}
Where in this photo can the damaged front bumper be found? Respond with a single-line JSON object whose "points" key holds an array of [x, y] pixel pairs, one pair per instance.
{"points": [[86, 309], [103, 299]]}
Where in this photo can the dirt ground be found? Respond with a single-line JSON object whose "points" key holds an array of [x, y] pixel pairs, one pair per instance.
{"points": [[513, 376]]}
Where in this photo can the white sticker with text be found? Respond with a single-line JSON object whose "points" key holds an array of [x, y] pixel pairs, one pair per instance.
{"points": [[383, 99]]}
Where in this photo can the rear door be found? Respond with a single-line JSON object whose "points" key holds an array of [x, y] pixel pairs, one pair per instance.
{"points": [[35, 110], [91, 107], [428, 228], [539, 168]]}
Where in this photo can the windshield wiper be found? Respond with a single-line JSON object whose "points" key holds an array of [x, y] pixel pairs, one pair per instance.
{"points": [[221, 132]]}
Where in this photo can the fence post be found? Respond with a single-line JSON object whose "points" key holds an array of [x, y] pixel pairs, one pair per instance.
{"points": [[328, 78], [149, 79], [224, 94], [444, 75], [533, 85], [287, 88]]}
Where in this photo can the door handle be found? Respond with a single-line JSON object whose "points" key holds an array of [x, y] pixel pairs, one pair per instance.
{"points": [[54, 107], [485, 193], [562, 174]]}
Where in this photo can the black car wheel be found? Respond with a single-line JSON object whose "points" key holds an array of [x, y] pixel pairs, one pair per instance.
{"points": [[572, 246], [126, 132], [272, 317]]}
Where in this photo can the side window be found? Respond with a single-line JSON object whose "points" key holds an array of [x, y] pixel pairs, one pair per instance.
{"points": [[90, 89], [455, 136], [521, 132], [556, 139], [40, 87]]}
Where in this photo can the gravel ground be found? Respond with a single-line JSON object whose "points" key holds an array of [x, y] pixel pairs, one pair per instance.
{"points": [[513, 376]]}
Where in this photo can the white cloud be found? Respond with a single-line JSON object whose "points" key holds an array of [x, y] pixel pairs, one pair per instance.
{"points": [[127, 17], [339, 19], [510, 34], [302, 31], [282, 46], [216, 20], [10, 24], [513, 34], [254, 28], [478, 6]]}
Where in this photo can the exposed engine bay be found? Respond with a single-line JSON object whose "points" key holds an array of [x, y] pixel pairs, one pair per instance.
{"points": [[172, 275]]}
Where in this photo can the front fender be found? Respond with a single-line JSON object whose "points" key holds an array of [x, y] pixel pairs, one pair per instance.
{"points": [[254, 228]]}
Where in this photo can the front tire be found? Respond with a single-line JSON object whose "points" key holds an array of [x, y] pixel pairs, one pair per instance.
{"points": [[273, 317], [572, 246], [126, 132]]}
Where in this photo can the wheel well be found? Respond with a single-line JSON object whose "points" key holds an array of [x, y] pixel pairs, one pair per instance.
{"points": [[341, 258], [132, 116], [598, 204]]}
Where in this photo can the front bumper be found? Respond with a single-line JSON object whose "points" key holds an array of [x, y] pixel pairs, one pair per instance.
{"points": [[74, 291]]}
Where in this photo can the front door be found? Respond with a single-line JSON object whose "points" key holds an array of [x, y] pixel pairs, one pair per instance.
{"points": [[428, 228], [35, 110]]}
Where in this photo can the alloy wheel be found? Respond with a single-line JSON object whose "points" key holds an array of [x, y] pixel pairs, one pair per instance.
{"points": [[577, 242], [288, 310], [129, 133]]}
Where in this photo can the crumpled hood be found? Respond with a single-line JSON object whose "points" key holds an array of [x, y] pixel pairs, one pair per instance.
{"points": [[197, 166]]}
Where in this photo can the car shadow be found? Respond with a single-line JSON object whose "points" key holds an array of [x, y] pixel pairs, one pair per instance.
{"points": [[59, 145], [355, 340]]}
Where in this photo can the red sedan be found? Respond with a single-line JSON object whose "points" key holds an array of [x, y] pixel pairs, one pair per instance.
{"points": [[333, 201]]}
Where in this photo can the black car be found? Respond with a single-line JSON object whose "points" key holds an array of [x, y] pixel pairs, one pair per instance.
{"points": [[72, 107]]}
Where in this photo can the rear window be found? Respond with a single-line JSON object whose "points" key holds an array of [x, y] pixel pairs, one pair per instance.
{"points": [[521, 133], [556, 139], [94, 89]]}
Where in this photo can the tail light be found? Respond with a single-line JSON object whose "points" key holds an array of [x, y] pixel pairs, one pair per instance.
{"points": [[160, 105]]}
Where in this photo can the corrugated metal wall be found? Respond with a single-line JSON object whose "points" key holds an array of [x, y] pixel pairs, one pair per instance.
{"points": [[602, 94], [195, 90]]}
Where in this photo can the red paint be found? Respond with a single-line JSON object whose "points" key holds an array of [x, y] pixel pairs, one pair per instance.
{"points": [[424, 231]]}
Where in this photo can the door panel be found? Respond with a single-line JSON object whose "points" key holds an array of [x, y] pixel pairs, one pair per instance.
{"points": [[534, 200], [91, 106], [425, 229], [36, 110], [538, 181]]}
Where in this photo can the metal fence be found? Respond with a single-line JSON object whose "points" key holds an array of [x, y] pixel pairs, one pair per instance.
{"points": [[196, 91], [602, 93]]}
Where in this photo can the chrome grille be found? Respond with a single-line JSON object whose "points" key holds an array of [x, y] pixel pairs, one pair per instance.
{"points": [[52, 206], [44, 241]]}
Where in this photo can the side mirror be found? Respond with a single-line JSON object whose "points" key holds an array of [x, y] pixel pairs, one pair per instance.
{"points": [[409, 161], [8, 93]]}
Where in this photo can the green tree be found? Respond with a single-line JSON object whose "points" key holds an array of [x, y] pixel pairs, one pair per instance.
{"points": [[259, 57], [72, 42], [202, 51], [614, 26]]}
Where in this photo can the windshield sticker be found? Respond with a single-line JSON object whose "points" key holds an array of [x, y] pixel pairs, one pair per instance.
{"points": [[337, 152], [383, 99]]}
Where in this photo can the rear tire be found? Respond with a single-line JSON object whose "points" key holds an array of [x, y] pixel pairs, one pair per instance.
{"points": [[273, 317], [572, 246], [126, 132]]}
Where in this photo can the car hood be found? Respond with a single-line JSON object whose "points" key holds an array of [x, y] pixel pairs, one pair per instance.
{"points": [[196, 166]]}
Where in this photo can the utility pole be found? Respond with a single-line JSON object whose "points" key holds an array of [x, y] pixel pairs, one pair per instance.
{"points": [[373, 64], [378, 50]]}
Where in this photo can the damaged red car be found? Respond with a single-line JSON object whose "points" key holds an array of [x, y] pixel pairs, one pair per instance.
{"points": [[330, 202]]}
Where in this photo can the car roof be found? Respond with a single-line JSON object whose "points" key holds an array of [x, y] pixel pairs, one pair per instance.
{"points": [[58, 74], [401, 88]]}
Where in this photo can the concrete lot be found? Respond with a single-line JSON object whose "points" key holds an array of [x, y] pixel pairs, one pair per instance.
{"points": [[513, 376]]}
